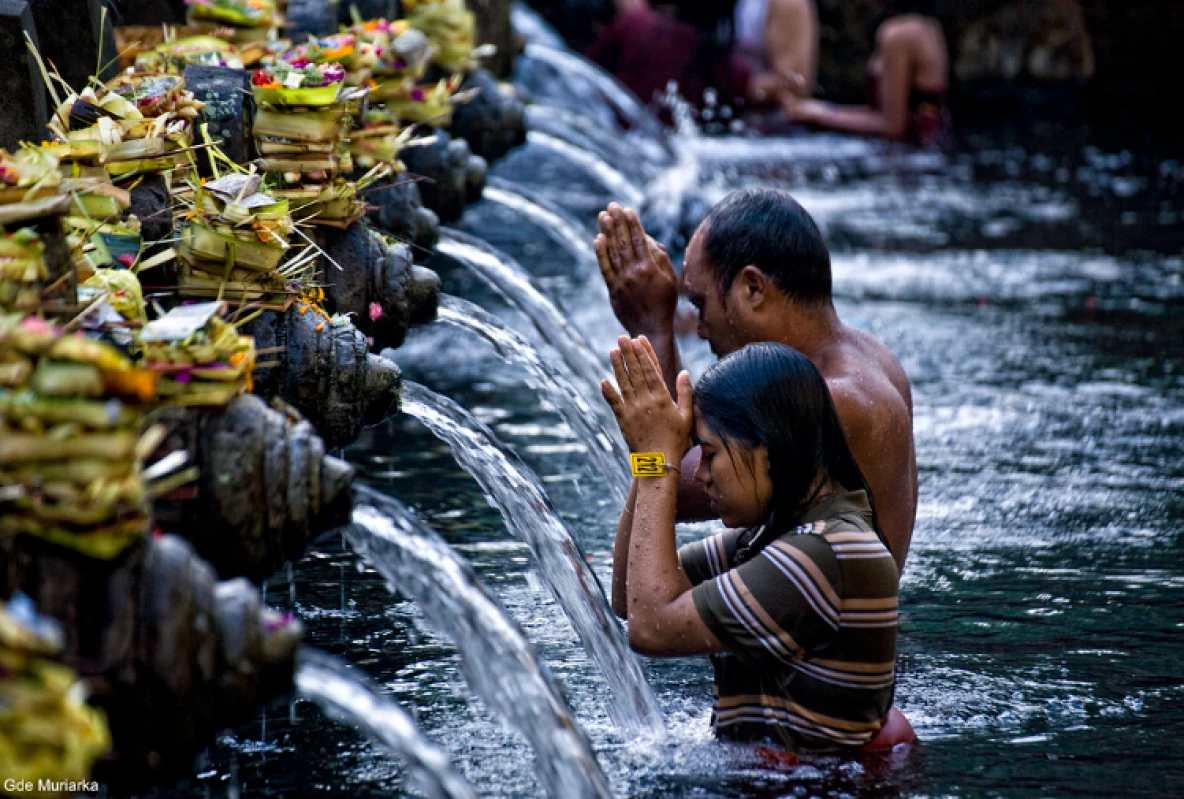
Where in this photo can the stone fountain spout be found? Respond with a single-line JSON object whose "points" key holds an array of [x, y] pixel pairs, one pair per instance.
{"points": [[170, 654], [265, 486]]}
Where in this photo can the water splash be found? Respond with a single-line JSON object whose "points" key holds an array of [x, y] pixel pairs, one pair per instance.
{"points": [[350, 697], [529, 515], [498, 662], [605, 446], [509, 280], [616, 184]]}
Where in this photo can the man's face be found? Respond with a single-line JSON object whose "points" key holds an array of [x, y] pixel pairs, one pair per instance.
{"points": [[718, 322]]}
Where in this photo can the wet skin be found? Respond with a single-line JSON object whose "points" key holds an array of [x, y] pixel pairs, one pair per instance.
{"points": [[870, 389]]}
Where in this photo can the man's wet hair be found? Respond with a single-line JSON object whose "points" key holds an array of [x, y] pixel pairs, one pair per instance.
{"points": [[768, 229]]}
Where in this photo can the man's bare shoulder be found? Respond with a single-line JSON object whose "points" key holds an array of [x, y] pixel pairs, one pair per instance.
{"points": [[865, 371]]}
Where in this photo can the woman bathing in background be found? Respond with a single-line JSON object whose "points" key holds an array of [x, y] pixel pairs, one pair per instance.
{"points": [[909, 77], [797, 603]]}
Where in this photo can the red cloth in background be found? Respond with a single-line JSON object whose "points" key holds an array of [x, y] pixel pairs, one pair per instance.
{"points": [[645, 51]]}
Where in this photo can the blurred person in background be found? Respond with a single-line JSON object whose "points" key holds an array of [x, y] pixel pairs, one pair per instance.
{"points": [[751, 52], [908, 81], [778, 40]]}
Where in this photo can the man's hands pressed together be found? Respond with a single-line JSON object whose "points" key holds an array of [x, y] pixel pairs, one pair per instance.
{"points": [[642, 284], [641, 280]]}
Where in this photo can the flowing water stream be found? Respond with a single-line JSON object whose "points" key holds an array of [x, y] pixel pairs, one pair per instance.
{"points": [[564, 229], [605, 447], [499, 664], [352, 699], [529, 515], [515, 286], [613, 180]]}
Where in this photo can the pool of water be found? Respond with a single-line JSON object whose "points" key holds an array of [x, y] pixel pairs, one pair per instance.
{"points": [[1034, 298]]}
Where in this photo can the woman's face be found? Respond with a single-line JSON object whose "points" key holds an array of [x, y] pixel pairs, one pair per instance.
{"points": [[737, 479]]}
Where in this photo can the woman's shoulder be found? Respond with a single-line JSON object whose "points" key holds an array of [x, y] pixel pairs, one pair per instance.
{"points": [[898, 29]]}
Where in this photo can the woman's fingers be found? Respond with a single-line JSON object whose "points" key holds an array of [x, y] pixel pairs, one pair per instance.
{"points": [[649, 348], [686, 404], [618, 360], [612, 398], [634, 355], [650, 367]]}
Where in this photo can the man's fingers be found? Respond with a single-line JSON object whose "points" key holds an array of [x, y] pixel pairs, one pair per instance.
{"points": [[609, 235], [661, 257], [606, 265], [605, 220], [620, 236], [622, 375], [637, 237]]}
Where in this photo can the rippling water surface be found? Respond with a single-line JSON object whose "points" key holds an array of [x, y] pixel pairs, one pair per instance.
{"points": [[1035, 302]]}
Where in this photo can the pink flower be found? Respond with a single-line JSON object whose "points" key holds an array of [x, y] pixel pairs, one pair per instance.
{"points": [[376, 312]]}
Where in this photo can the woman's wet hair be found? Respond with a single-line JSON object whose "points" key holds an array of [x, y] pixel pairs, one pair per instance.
{"points": [[768, 229], [771, 395]]}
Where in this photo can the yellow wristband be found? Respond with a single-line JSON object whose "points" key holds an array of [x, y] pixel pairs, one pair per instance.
{"points": [[650, 464]]}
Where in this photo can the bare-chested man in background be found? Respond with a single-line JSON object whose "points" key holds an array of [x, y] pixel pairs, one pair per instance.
{"points": [[757, 269]]}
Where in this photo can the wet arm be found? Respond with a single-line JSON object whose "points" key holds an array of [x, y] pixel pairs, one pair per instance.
{"points": [[663, 620], [791, 34], [621, 555], [882, 443], [889, 121]]}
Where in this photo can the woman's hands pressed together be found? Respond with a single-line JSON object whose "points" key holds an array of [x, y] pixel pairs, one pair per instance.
{"points": [[649, 419], [649, 586]]}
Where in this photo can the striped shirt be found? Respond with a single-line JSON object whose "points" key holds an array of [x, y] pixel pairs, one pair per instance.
{"points": [[809, 624]]}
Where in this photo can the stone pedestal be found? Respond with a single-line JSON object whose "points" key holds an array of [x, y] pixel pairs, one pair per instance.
{"points": [[229, 108], [168, 653], [311, 17], [370, 9], [151, 12], [493, 27], [493, 122], [23, 110], [444, 167]]}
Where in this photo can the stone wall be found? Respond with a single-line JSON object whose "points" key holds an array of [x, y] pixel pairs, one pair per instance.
{"points": [[493, 27]]}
